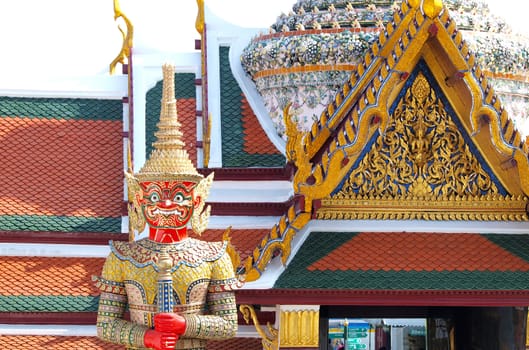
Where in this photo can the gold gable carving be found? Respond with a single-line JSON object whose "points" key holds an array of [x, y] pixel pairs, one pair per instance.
{"points": [[421, 168]]}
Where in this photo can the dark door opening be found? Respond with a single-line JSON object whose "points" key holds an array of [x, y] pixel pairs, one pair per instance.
{"points": [[422, 328]]}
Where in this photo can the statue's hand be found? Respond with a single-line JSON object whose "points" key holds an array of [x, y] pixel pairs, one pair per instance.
{"points": [[167, 329], [169, 322], [160, 340]]}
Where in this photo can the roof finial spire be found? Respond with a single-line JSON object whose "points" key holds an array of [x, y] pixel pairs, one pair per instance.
{"points": [[432, 8]]}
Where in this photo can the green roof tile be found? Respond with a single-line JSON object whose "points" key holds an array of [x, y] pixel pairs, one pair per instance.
{"points": [[61, 108], [184, 88], [48, 304], [320, 244], [59, 223], [233, 154]]}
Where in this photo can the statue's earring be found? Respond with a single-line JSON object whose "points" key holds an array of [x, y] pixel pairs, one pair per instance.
{"points": [[136, 218], [200, 217]]}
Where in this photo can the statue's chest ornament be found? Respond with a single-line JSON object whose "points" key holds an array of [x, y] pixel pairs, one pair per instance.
{"points": [[189, 252]]}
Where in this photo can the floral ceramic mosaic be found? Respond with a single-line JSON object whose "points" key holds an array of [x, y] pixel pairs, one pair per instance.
{"points": [[309, 54]]}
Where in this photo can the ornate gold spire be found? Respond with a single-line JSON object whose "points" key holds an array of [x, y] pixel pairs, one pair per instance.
{"points": [[168, 159]]}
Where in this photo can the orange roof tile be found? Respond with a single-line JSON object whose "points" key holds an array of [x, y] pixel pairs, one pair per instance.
{"points": [[47, 342], [30, 342], [54, 276], [255, 139], [244, 240], [186, 108], [61, 167], [401, 251], [235, 344], [26, 276]]}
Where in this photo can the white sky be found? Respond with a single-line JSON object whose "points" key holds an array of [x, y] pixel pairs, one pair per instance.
{"points": [[76, 37]]}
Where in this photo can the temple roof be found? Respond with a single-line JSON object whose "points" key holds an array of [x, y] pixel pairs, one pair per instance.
{"points": [[417, 132], [45, 142], [409, 261]]}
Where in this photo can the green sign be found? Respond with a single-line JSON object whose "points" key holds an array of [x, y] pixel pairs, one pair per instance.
{"points": [[356, 335], [355, 346], [335, 335]]}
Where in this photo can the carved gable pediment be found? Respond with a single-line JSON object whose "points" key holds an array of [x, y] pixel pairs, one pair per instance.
{"points": [[423, 165]]}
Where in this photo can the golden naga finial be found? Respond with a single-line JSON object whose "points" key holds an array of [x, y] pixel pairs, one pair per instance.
{"points": [[199, 23], [124, 54]]}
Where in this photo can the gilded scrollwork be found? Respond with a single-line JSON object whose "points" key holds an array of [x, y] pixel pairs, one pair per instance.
{"points": [[422, 153], [270, 337], [421, 168]]}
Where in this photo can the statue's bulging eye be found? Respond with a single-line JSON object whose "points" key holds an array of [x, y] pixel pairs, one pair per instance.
{"points": [[178, 198], [155, 197]]}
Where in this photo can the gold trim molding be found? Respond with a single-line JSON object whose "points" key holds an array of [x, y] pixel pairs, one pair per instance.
{"points": [[299, 328], [490, 208]]}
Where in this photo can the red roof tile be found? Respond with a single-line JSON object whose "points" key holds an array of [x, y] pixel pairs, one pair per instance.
{"points": [[186, 108], [20, 342], [28, 342], [235, 344], [54, 276], [255, 139], [26, 276], [244, 240], [61, 167], [401, 251]]}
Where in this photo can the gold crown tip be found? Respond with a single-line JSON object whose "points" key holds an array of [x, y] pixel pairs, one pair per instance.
{"points": [[169, 159]]}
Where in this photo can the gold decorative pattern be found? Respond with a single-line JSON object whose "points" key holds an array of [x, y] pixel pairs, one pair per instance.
{"points": [[432, 8], [487, 208], [299, 328], [232, 252], [278, 241], [269, 338], [422, 168], [168, 161], [422, 153], [200, 218], [295, 151], [335, 141], [207, 142], [199, 22], [124, 54]]}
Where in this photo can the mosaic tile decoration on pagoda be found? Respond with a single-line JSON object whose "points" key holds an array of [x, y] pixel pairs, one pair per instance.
{"points": [[66, 156], [409, 261]]}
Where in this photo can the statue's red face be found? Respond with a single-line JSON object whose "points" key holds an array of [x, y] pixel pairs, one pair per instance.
{"points": [[167, 207]]}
